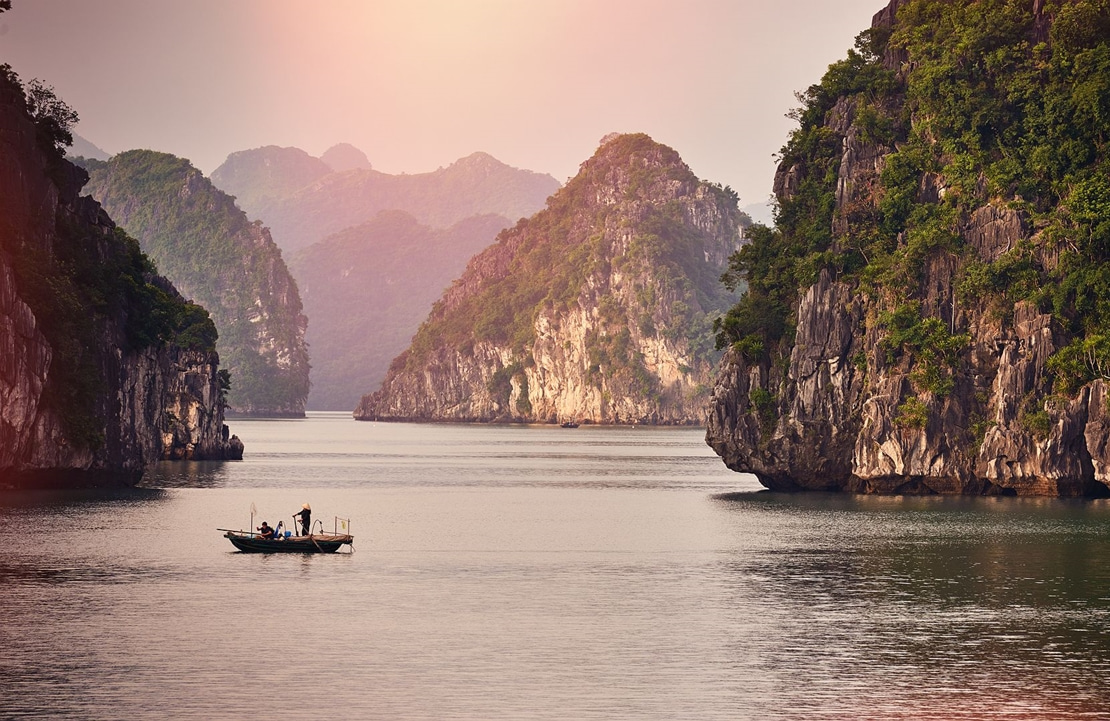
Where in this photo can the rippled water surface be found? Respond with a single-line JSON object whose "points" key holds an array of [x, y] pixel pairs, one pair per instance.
{"points": [[544, 573]]}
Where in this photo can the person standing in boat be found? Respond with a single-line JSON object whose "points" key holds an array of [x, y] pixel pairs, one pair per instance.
{"points": [[306, 519]]}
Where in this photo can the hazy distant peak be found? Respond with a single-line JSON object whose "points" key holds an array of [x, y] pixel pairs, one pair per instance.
{"points": [[304, 204], [478, 160], [82, 148], [480, 164], [266, 153], [393, 218], [345, 156], [269, 171]]}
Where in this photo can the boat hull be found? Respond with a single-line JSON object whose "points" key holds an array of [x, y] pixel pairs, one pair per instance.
{"points": [[318, 543]]}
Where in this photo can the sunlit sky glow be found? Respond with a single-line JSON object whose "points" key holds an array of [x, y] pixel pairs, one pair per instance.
{"points": [[417, 84]]}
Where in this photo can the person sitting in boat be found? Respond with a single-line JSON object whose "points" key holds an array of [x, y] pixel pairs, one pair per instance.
{"points": [[265, 532], [306, 519]]}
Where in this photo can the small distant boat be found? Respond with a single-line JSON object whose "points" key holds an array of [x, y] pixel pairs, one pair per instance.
{"points": [[569, 424], [248, 542]]}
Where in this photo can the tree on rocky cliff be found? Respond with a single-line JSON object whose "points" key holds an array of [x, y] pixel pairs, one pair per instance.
{"points": [[52, 115], [54, 119]]}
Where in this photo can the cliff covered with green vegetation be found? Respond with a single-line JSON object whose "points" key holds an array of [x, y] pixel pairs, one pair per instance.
{"points": [[931, 311], [219, 258], [104, 367], [599, 308]]}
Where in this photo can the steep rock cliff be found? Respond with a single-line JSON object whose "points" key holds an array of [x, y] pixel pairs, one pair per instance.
{"points": [[220, 259], [104, 368], [934, 273], [597, 309]]}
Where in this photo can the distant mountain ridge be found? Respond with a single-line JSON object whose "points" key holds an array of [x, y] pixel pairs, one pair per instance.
{"points": [[366, 290], [303, 200], [260, 176]]}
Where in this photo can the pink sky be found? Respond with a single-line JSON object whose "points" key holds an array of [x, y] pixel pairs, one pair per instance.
{"points": [[417, 84]]}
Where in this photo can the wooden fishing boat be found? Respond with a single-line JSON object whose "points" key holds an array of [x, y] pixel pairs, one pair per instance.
{"points": [[283, 541], [248, 542]]}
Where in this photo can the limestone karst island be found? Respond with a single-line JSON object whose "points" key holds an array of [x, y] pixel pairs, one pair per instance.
{"points": [[599, 308], [931, 312], [104, 367]]}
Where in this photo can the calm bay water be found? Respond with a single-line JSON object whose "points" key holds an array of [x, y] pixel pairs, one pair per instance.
{"points": [[544, 573]]}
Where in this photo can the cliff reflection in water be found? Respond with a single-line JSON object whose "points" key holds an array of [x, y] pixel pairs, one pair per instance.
{"points": [[957, 603], [187, 474]]}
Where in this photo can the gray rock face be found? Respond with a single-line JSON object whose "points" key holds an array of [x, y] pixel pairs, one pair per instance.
{"points": [[993, 231], [834, 422], [804, 440], [159, 402]]}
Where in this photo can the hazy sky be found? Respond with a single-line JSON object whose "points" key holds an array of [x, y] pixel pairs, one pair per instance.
{"points": [[417, 84]]}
